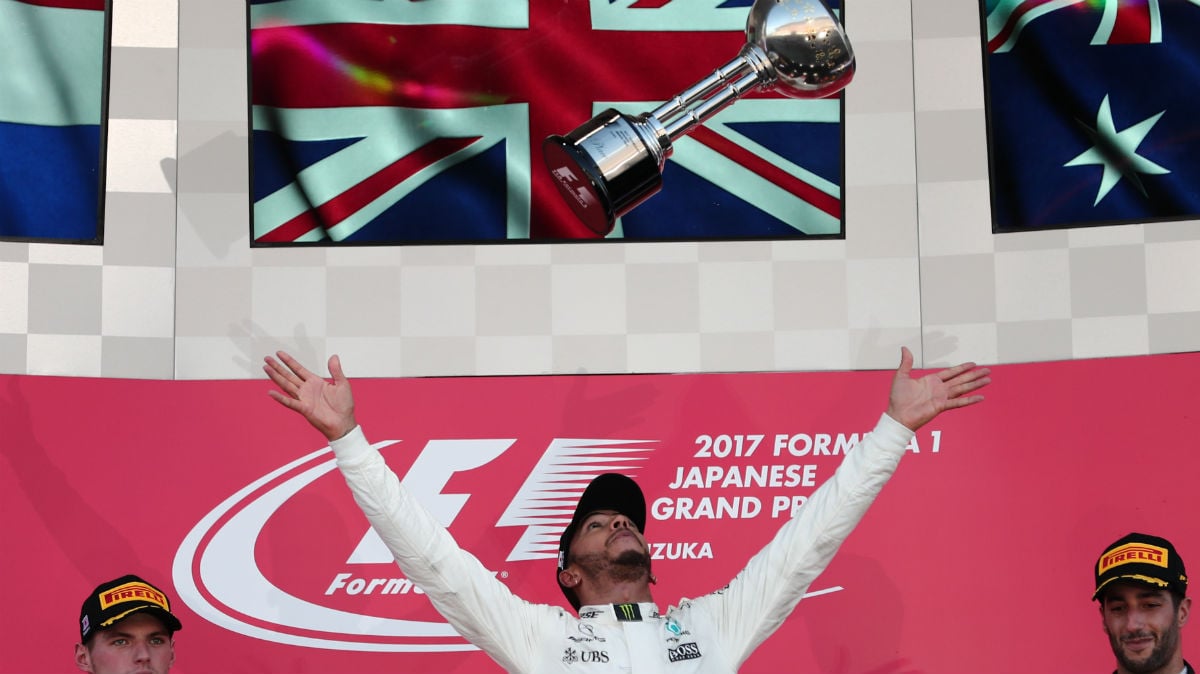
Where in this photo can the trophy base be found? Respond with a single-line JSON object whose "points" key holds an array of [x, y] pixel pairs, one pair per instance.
{"points": [[605, 168], [580, 183]]}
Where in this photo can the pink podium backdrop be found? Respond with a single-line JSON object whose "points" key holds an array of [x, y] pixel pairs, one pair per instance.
{"points": [[976, 558]]}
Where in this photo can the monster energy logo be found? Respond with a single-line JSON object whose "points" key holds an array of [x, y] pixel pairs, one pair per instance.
{"points": [[627, 612]]}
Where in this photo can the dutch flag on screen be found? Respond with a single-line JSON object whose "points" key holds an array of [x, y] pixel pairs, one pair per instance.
{"points": [[51, 100]]}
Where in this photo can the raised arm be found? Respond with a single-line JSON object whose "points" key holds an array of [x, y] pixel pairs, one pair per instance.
{"points": [[469, 596], [761, 597], [328, 406]]}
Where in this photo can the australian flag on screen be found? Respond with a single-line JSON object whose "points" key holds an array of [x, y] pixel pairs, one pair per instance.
{"points": [[51, 99], [1093, 110], [422, 121]]}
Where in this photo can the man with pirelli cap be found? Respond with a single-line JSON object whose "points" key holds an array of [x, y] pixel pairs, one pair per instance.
{"points": [[126, 625], [1141, 585]]}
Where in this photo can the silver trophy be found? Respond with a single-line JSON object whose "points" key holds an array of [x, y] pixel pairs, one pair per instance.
{"points": [[614, 161]]}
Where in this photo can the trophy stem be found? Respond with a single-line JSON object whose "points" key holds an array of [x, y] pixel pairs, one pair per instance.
{"points": [[690, 119], [719, 77], [750, 69]]}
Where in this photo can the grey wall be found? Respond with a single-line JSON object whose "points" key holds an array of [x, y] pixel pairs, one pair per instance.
{"points": [[176, 292]]}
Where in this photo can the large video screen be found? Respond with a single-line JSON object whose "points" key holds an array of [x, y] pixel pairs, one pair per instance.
{"points": [[424, 122], [53, 69], [1093, 117]]}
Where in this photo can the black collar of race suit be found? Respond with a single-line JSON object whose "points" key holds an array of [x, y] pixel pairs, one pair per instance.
{"points": [[1187, 668], [629, 612]]}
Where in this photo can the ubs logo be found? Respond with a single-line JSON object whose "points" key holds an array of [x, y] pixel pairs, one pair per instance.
{"points": [[593, 656], [216, 570], [571, 656]]}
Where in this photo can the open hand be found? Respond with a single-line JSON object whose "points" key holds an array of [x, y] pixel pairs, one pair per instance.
{"points": [[328, 406], [914, 402]]}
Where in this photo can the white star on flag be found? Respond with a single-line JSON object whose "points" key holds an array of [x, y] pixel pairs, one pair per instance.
{"points": [[1116, 151]]}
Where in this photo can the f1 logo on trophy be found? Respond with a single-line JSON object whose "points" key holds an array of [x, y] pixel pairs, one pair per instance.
{"points": [[614, 161]]}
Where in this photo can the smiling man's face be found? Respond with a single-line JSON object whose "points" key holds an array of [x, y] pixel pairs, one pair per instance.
{"points": [[1143, 624]]}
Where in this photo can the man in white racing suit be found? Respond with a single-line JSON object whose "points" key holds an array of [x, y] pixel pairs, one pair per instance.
{"points": [[604, 562]]}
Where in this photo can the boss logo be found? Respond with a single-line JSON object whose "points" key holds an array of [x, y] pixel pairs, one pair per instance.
{"points": [[688, 651]]}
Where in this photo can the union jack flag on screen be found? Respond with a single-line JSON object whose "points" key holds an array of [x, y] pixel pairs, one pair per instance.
{"points": [[408, 121], [1093, 111], [51, 103]]}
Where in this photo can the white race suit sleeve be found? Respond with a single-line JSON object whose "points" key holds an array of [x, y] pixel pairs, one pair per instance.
{"points": [[766, 591], [479, 607]]}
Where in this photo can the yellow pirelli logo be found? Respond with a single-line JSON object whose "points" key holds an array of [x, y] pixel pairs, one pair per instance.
{"points": [[132, 592], [1134, 553]]}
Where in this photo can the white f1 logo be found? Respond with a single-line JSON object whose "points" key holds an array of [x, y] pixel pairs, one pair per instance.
{"points": [[432, 470]]}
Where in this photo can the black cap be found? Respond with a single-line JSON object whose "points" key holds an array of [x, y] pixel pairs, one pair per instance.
{"points": [[118, 599], [610, 491], [1140, 558]]}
